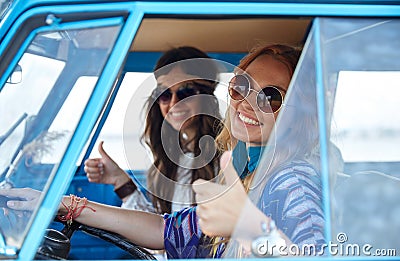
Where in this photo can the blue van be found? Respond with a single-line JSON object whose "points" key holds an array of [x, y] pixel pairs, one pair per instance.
{"points": [[74, 73]]}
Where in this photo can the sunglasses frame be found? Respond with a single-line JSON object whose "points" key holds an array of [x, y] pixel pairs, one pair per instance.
{"points": [[258, 93]]}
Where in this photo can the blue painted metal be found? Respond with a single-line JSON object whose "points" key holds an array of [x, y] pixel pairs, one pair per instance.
{"points": [[136, 10], [322, 124], [252, 8], [328, 8]]}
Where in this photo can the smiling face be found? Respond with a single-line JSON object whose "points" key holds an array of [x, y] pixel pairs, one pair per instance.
{"points": [[178, 113], [248, 123]]}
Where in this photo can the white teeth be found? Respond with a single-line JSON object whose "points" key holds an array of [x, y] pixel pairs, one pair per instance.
{"points": [[248, 120], [177, 114]]}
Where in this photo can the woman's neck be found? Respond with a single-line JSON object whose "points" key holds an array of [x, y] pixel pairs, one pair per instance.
{"points": [[254, 154]]}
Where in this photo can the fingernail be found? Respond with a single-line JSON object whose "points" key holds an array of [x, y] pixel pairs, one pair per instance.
{"points": [[100, 165]]}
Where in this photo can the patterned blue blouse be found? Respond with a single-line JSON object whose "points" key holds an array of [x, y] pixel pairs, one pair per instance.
{"points": [[292, 197]]}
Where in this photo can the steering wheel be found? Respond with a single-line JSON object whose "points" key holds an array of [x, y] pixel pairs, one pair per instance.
{"points": [[57, 244]]}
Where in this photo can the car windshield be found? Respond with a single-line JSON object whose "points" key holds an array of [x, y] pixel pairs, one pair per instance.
{"points": [[4, 5], [52, 89]]}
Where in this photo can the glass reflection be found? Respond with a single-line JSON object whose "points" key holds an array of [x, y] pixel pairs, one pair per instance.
{"points": [[40, 114]]}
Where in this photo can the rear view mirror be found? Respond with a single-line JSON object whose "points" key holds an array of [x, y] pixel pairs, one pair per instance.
{"points": [[16, 75]]}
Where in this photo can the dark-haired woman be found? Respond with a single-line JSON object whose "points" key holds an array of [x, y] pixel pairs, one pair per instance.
{"points": [[181, 110]]}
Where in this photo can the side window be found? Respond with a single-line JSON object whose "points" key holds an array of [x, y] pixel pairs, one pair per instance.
{"points": [[358, 60], [362, 80], [46, 72], [365, 132]]}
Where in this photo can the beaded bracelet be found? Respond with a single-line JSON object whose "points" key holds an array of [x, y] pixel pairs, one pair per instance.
{"points": [[74, 210]]}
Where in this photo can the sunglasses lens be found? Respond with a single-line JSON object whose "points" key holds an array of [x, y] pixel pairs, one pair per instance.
{"points": [[186, 92], [182, 93], [239, 87], [269, 99], [165, 96]]}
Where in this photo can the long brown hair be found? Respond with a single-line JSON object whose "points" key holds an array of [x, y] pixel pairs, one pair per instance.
{"points": [[156, 136]]}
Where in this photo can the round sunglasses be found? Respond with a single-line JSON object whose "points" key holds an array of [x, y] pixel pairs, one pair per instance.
{"points": [[164, 95], [269, 98]]}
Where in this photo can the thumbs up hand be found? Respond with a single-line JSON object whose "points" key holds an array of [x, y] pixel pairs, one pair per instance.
{"points": [[220, 206], [105, 170]]}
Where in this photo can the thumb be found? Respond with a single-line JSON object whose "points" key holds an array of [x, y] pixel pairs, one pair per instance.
{"points": [[102, 152], [229, 172], [206, 190]]}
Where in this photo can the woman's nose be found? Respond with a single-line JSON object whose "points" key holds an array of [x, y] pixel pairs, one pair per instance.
{"points": [[251, 99], [174, 99]]}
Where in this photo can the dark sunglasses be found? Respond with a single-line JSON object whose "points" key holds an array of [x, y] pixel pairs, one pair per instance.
{"points": [[269, 98], [163, 95]]}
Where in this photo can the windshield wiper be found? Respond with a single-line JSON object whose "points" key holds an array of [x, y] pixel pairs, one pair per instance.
{"points": [[12, 128]]}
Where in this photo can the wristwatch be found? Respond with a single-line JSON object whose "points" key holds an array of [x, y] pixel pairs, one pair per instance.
{"points": [[270, 243], [126, 189]]}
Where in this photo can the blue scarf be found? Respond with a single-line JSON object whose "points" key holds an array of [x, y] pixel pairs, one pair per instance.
{"points": [[245, 161]]}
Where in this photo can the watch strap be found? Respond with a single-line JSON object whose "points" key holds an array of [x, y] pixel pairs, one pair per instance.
{"points": [[126, 189]]}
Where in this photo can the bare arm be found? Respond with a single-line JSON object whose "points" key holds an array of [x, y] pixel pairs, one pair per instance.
{"points": [[142, 228]]}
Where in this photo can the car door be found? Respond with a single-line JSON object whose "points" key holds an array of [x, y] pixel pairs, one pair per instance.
{"points": [[58, 65]]}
